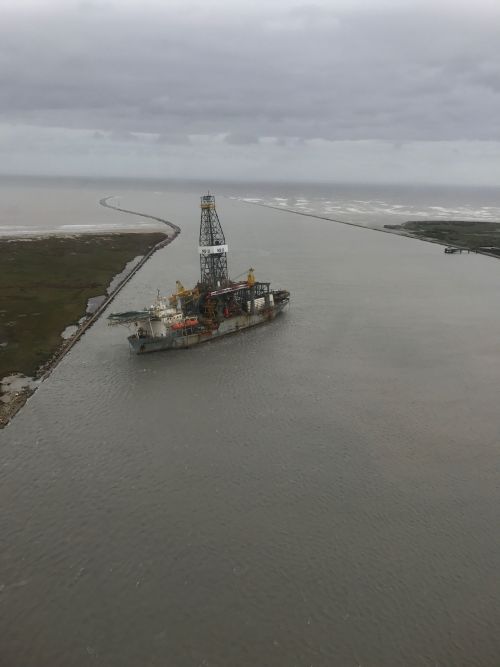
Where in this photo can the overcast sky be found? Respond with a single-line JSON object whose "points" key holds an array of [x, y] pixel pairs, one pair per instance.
{"points": [[330, 90]]}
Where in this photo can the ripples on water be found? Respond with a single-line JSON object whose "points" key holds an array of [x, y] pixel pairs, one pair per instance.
{"points": [[383, 205], [33, 206], [320, 491], [377, 211]]}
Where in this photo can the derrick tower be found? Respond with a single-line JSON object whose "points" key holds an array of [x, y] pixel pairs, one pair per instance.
{"points": [[212, 247]]}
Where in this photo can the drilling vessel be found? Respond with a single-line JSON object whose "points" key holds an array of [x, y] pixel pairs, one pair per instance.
{"points": [[215, 307]]}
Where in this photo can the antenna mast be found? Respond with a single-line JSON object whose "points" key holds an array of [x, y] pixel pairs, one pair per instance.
{"points": [[212, 247]]}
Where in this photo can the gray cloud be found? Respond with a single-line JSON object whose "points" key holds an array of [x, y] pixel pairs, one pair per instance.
{"points": [[123, 136], [399, 72], [172, 139], [241, 139], [308, 71]]}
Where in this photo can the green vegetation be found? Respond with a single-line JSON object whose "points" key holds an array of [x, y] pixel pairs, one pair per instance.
{"points": [[45, 285], [483, 236]]}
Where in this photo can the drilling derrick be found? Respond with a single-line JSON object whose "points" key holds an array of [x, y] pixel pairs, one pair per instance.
{"points": [[215, 307], [212, 246]]}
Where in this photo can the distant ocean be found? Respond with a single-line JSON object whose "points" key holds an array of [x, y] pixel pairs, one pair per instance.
{"points": [[377, 205], [49, 205]]}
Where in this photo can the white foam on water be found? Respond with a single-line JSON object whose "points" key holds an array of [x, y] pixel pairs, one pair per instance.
{"points": [[31, 232], [24, 232], [91, 226], [399, 210]]}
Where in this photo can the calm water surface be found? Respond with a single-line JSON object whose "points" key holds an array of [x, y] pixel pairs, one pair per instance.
{"points": [[320, 491]]}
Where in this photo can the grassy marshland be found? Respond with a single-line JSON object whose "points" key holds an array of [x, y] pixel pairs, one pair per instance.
{"points": [[45, 284], [474, 235]]}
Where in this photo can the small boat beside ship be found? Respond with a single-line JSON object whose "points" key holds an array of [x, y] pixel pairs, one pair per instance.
{"points": [[216, 306]]}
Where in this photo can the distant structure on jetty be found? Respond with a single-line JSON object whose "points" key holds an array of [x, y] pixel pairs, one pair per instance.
{"points": [[451, 250]]}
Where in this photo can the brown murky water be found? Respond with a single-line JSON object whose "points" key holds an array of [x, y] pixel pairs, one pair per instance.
{"points": [[320, 491]]}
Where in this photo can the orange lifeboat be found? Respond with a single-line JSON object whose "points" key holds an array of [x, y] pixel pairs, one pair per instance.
{"points": [[184, 324]]}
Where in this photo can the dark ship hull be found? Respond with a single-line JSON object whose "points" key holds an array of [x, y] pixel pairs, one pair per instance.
{"points": [[187, 338]]}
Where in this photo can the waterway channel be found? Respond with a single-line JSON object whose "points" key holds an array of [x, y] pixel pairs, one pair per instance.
{"points": [[319, 491]]}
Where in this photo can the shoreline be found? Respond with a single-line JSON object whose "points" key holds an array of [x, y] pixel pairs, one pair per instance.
{"points": [[402, 231], [10, 408], [72, 340]]}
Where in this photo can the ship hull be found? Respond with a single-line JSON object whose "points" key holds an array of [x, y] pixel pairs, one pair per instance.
{"points": [[145, 344]]}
